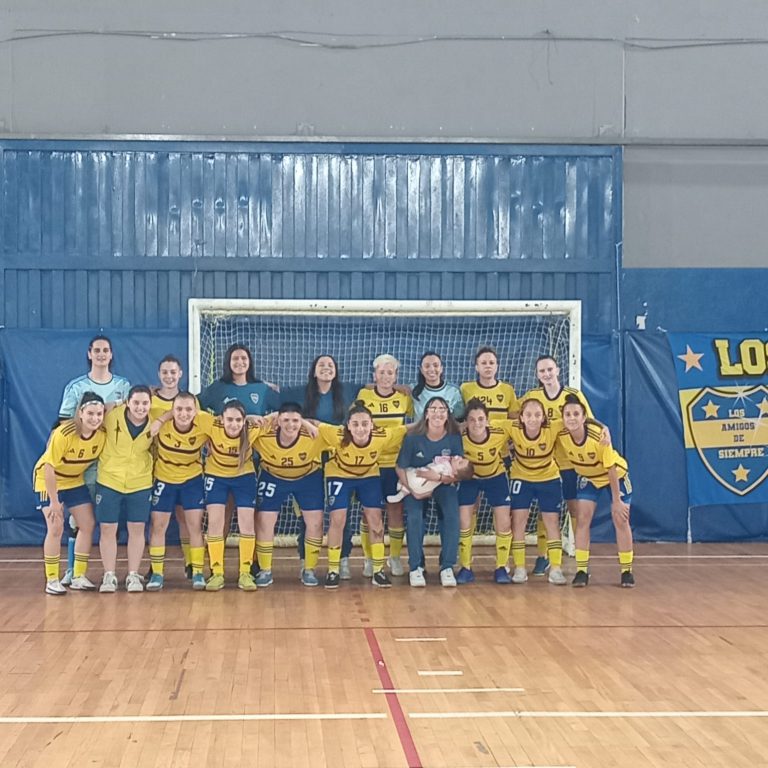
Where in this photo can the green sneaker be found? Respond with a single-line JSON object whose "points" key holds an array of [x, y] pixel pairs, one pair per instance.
{"points": [[247, 583], [215, 583]]}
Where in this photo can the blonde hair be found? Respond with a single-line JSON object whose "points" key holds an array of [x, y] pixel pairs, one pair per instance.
{"points": [[384, 360]]}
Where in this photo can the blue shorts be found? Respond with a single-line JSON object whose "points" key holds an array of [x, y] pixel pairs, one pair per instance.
{"points": [[548, 492], [388, 477], [495, 489], [587, 490], [110, 503], [188, 495], [274, 491], [340, 490], [242, 488], [569, 479], [73, 497]]}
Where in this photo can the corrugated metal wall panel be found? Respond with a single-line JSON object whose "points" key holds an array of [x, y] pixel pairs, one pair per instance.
{"points": [[120, 234]]}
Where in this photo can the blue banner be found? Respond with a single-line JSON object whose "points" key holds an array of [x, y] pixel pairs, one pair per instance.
{"points": [[723, 392]]}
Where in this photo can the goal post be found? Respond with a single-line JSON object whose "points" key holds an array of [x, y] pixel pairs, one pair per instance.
{"points": [[286, 335]]}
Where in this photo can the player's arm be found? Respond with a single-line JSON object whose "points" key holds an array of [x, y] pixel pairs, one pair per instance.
{"points": [[157, 424], [55, 508], [68, 403], [329, 434], [618, 507]]}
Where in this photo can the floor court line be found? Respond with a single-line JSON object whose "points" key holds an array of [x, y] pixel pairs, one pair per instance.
{"points": [[87, 719], [421, 639], [440, 673], [659, 714], [447, 690]]}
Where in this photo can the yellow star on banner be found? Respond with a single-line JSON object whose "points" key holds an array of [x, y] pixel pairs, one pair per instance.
{"points": [[691, 359], [741, 474], [763, 407], [710, 409]]}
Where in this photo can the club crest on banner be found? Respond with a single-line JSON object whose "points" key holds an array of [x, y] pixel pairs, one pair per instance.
{"points": [[729, 429]]}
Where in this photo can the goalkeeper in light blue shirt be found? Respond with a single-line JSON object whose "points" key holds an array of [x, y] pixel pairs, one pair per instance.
{"points": [[431, 383]]}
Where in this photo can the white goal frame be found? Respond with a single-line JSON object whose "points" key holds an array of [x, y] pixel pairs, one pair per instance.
{"points": [[380, 308]]}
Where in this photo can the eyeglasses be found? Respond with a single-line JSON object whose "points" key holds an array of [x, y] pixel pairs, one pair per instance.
{"points": [[437, 409]]}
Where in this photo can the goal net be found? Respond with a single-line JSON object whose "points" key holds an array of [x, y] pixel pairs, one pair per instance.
{"points": [[286, 336]]}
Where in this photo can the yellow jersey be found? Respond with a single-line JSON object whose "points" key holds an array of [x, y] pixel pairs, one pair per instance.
{"points": [[590, 458], [359, 461], [487, 456], [223, 458], [553, 410], [179, 454], [291, 462], [534, 456], [69, 455], [388, 411], [500, 399], [125, 465]]}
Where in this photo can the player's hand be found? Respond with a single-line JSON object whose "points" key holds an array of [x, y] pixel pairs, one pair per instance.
{"points": [[620, 511], [55, 511], [310, 427], [155, 427]]}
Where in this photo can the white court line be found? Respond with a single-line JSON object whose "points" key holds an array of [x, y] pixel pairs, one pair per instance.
{"points": [[666, 714], [440, 673], [448, 690], [189, 718], [421, 639]]}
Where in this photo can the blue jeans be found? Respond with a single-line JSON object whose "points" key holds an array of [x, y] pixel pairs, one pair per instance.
{"points": [[447, 499]]}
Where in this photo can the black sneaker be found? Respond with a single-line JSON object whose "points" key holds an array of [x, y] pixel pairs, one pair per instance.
{"points": [[627, 579], [332, 580], [380, 579], [255, 569], [188, 571], [581, 579], [149, 575]]}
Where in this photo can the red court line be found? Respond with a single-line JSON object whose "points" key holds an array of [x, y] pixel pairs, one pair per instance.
{"points": [[401, 724]]}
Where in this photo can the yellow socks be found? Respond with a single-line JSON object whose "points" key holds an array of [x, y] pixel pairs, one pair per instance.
{"points": [[215, 555], [518, 553], [81, 565], [582, 559], [503, 545], [377, 556], [396, 536], [52, 567], [541, 538], [555, 552], [311, 552], [264, 554], [625, 560], [465, 548], [334, 558], [157, 559], [246, 547], [365, 542], [197, 556], [185, 552]]}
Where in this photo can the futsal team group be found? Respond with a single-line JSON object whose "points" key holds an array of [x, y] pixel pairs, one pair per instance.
{"points": [[244, 446]]}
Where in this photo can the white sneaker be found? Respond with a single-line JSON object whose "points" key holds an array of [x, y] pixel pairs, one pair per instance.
{"points": [[447, 579], [520, 576], [417, 578], [108, 583], [133, 582], [54, 587], [82, 583], [556, 576], [368, 568], [344, 573], [67, 578], [396, 566]]}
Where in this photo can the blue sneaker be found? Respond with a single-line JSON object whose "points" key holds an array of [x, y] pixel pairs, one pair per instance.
{"points": [[465, 576], [541, 566], [263, 579], [501, 576], [155, 583], [308, 578], [198, 581]]}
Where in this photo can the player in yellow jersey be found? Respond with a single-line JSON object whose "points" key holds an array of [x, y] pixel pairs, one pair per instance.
{"points": [[229, 471], [552, 395], [289, 468], [181, 437], [124, 483], [169, 373], [498, 397], [600, 469], [485, 446], [535, 476], [354, 469], [59, 482], [389, 408]]}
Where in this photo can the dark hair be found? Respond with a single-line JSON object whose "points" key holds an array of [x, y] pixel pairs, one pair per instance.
{"points": [[482, 350], [312, 393], [475, 404], [88, 398], [290, 407], [250, 374], [138, 389], [545, 421], [90, 347], [244, 449], [573, 399], [451, 425], [421, 382], [357, 407], [183, 394], [543, 357], [171, 359]]}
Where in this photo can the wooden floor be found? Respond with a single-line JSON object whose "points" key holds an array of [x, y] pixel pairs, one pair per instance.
{"points": [[672, 673]]}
